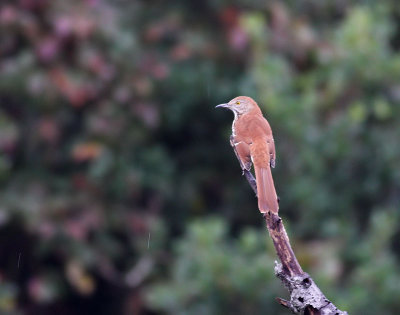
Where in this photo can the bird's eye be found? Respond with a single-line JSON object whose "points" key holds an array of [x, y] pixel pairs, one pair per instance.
{"points": [[237, 102]]}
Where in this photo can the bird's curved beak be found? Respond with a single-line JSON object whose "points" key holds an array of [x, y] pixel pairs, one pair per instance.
{"points": [[226, 105]]}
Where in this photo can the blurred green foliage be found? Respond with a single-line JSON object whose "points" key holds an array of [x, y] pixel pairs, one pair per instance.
{"points": [[214, 274], [110, 146]]}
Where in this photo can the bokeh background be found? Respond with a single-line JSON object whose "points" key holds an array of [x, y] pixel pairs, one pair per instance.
{"points": [[119, 192]]}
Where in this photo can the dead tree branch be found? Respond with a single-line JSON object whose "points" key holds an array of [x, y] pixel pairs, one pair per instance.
{"points": [[305, 296]]}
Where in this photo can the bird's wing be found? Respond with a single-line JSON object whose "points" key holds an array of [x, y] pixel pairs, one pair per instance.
{"points": [[260, 125], [271, 146], [242, 152]]}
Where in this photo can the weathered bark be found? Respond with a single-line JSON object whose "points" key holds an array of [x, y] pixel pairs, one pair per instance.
{"points": [[305, 296]]}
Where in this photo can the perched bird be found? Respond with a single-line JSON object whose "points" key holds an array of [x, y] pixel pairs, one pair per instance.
{"points": [[254, 144]]}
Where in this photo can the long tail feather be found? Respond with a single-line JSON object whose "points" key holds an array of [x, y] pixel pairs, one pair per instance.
{"points": [[267, 198]]}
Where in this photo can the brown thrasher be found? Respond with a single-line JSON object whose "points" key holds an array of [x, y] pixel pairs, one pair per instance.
{"points": [[253, 142]]}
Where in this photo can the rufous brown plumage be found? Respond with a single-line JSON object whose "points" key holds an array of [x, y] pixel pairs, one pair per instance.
{"points": [[254, 144]]}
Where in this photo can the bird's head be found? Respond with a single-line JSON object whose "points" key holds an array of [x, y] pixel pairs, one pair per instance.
{"points": [[240, 105]]}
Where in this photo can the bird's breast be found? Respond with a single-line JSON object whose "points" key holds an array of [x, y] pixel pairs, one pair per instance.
{"points": [[242, 128]]}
